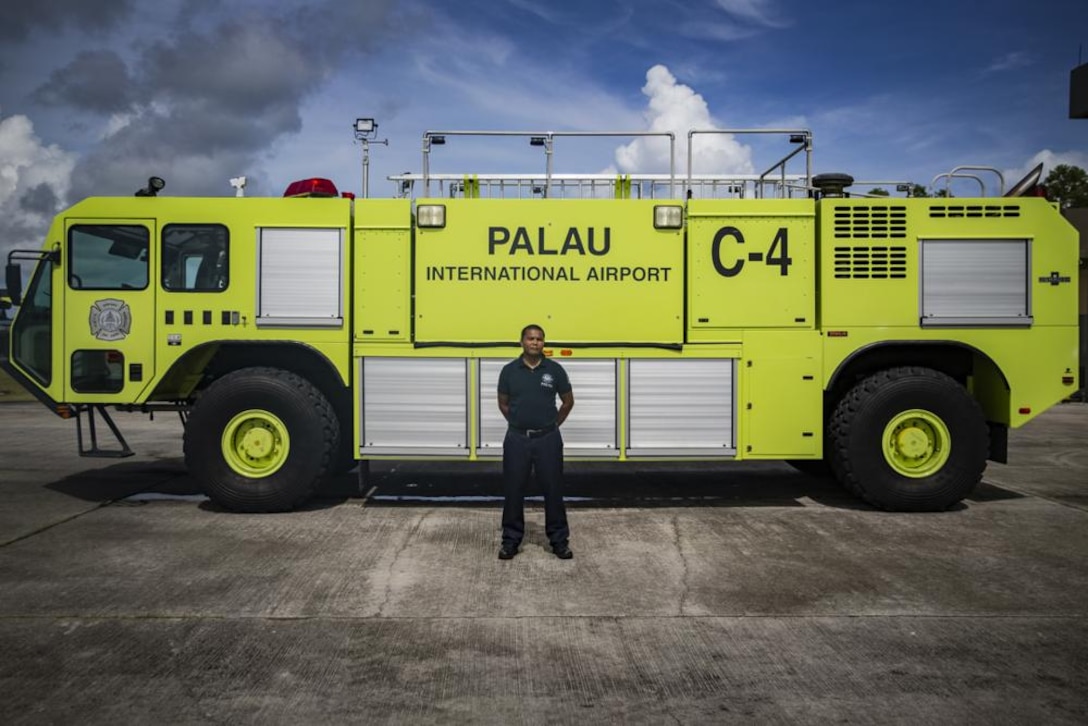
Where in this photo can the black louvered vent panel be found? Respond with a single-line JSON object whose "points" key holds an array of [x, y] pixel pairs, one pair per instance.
{"points": [[877, 222], [871, 263], [974, 210]]}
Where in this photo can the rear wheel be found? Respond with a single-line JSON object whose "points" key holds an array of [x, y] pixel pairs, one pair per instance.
{"points": [[909, 439], [260, 440]]}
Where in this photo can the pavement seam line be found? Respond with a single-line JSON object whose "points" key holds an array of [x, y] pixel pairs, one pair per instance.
{"points": [[684, 575], [77, 515], [51, 525], [390, 572]]}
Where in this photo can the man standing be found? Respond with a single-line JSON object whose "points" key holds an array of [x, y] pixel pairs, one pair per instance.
{"points": [[528, 386]]}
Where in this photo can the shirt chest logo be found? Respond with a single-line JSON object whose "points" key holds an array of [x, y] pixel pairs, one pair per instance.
{"points": [[547, 381]]}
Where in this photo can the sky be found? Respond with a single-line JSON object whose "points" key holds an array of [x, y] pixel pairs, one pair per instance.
{"points": [[98, 95]]}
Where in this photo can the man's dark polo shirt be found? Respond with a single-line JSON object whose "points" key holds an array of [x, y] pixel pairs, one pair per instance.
{"points": [[532, 392]]}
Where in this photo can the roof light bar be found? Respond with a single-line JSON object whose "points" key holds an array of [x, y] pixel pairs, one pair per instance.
{"points": [[315, 187]]}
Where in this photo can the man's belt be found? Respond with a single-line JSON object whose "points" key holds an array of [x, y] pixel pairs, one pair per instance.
{"points": [[533, 433]]}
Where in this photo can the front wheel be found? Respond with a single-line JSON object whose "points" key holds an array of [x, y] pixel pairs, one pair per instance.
{"points": [[260, 440], [909, 439]]}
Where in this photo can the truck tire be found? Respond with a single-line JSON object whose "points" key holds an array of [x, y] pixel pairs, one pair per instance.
{"points": [[260, 440], [909, 440], [343, 458]]}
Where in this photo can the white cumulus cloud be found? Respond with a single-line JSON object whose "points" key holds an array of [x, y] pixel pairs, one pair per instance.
{"points": [[34, 181], [1049, 159], [678, 108], [1011, 175]]}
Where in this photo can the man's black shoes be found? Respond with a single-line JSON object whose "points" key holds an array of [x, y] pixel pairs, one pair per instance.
{"points": [[562, 551]]}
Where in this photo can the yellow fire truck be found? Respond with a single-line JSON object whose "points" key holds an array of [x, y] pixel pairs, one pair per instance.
{"points": [[731, 317]]}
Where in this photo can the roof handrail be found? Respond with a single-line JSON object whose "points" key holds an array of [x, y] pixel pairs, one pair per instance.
{"points": [[949, 175], [797, 136], [547, 140], [956, 173]]}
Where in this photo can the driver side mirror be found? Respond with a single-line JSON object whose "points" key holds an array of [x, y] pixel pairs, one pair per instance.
{"points": [[14, 279]]}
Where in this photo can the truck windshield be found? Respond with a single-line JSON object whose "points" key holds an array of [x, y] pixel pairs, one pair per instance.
{"points": [[32, 331]]}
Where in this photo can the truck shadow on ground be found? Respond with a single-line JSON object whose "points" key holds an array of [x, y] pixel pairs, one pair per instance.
{"points": [[610, 485], [123, 479], [588, 485]]}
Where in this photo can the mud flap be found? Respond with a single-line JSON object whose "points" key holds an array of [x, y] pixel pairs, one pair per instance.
{"points": [[999, 442]]}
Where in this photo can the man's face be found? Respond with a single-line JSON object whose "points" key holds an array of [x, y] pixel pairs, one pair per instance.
{"points": [[532, 342]]}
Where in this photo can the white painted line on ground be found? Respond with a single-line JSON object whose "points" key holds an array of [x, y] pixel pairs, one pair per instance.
{"points": [[159, 497]]}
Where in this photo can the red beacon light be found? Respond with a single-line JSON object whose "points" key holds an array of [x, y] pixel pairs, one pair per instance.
{"points": [[315, 187]]}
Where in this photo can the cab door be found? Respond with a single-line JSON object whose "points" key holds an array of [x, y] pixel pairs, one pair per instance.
{"points": [[109, 309]]}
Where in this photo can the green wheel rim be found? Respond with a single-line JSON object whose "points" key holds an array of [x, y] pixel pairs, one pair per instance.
{"points": [[916, 443], [255, 443]]}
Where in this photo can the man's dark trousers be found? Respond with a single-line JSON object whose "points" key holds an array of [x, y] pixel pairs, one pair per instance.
{"points": [[544, 454]]}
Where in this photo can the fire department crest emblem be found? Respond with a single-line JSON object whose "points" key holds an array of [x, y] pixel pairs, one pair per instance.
{"points": [[110, 319]]}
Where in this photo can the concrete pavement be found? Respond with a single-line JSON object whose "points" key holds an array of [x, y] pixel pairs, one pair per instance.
{"points": [[699, 594]]}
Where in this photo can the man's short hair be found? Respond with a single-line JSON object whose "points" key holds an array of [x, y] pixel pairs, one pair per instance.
{"points": [[529, 327]]}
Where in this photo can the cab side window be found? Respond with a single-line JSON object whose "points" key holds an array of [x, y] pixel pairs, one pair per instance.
{"points": [[108, 257], [195, 257]]}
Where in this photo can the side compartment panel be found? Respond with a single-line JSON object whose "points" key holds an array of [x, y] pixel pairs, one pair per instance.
{"points": [[499, 263], [750, 264], [591, 429], [383, 270], [681, 407], [784, 415], [301, 277], [782, 395], [976, 282], [414, 406]]}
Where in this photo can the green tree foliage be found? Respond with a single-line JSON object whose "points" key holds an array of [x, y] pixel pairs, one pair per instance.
{"points": [[1067, 185], [879, 192], [920, 191]]}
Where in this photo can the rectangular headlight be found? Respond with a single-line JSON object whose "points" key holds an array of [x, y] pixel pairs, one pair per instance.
{"points": [[668, 216], [431, 215]]}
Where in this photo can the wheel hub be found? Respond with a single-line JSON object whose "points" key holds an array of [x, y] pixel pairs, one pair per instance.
{"points": [[913, 443], [917, 443], [255, 443]]}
